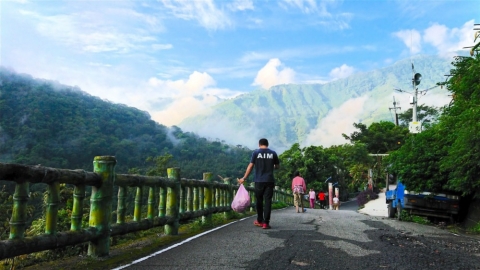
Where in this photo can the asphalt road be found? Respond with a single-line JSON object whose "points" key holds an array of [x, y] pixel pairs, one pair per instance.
{"points": [[322, 239]]}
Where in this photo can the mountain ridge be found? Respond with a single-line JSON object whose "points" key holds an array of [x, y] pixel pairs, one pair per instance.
{"points": [[287, 114]]}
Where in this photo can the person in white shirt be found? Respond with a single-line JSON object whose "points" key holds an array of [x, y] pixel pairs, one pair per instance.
{"points": [[336, 203]]}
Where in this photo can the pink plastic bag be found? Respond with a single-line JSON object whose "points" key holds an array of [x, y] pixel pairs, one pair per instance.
{"points": [[241, 200]]}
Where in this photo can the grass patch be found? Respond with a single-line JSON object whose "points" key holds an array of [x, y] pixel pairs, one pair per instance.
{"points": [[405, 216], [475, 229], [279, 205]]}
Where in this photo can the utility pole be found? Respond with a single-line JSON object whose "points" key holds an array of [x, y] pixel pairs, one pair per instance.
{"points": [[395, 110], [415, 126]]}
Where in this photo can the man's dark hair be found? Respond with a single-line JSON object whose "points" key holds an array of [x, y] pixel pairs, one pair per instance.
{"points": [[297, 173], [263, 141]]}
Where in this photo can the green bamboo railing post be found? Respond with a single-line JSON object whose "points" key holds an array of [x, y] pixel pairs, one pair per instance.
{"points": [[77, 209], [195, 199], [182, 200], [51, 215], [229, 191], [189, 199], [276, 199], [137, 211], [156, 190], [151, 203], [228, 198], [19, 212], [173, 197], [201, 198], [213, 197], [223, 194], [253, 199], [283, 195], [121, 205], [101, 205], [162, 203], [208, 196], [217, 198]]}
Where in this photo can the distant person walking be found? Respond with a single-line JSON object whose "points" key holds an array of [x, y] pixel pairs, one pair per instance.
{"points": [[321, 198], [298, 188], [336, 203], [312, 198], [265, 161]]}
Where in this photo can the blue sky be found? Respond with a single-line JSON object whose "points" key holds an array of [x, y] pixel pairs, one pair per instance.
{"points": [[175, 58]]}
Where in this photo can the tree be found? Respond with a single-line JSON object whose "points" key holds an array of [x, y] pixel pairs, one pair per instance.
{"points": [[160, 165], [461, 125], [426, 115], [417, 162], [317, 164], [380, 137]]}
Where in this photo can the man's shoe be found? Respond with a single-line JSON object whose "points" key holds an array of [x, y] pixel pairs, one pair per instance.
{"points": [[266, 226], [258, 224]]}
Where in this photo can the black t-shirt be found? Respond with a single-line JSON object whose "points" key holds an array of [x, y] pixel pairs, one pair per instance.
{"points": [[264, 160]]}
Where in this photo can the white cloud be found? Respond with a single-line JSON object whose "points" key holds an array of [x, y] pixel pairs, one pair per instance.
{"points": [[447, 40], [183, 98], [320, 13], [341, 72], [203, 11], [118, 30], [96, 64], [273, 73], [182, 108], [306, 6], [162, 46], [102, 29], [241, 5], [412, 39], [339, 120]]}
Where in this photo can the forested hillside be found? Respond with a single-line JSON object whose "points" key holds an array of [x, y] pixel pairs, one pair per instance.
{"points": [[44, 122]]}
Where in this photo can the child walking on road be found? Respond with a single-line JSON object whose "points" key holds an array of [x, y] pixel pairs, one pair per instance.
{"points": [[312, 198]]}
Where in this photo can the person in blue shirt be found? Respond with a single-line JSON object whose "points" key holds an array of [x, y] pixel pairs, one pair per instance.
{"points": [[264, 160]]}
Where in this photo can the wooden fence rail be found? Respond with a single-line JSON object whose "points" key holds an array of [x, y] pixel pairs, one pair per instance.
{"points": [[171, 200]]}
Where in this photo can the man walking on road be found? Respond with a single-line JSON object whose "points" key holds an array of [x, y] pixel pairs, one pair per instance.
{"points": [[265, 161]]}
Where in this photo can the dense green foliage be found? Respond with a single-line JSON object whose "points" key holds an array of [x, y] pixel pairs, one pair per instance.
{"points": [[446, 156], [345, 165], [46, 123], [380, 137]]}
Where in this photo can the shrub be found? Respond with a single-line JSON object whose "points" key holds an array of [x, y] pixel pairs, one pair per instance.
{"points": [[406, 216], [366, 196], [475, 229]]}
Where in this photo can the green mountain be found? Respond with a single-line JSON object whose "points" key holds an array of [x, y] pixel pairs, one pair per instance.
{"points": [[286, 114], [44, 122]]}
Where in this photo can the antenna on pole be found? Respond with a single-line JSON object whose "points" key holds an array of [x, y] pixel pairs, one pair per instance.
{"points": [[394, 108]]}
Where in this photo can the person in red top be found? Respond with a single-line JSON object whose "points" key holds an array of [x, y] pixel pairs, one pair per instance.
{"points": [[321, 197], [298, 188]]}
